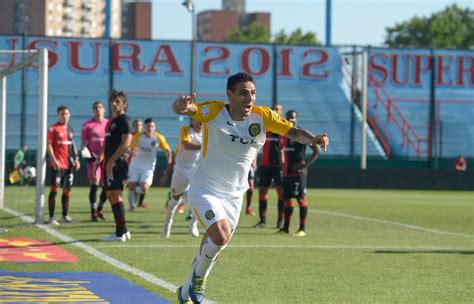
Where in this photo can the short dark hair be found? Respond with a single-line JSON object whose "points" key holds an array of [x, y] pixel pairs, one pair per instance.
{"points": [[149, 120], [119, 94], [233, 80], [288, 114], [96, 104], [62, 108]]}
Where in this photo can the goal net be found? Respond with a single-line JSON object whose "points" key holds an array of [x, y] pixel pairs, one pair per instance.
{"points": [[23, 131]]}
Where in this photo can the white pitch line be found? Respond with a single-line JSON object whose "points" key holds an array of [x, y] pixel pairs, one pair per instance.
{"points": [[369, 219], [101, 256], [330, 247]]}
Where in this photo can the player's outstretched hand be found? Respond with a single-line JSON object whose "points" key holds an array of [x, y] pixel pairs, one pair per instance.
{"points": [[184, 104], [321, 140]]}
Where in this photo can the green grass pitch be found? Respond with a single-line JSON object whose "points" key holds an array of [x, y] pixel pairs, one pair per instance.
{"points": [[362, 246]]}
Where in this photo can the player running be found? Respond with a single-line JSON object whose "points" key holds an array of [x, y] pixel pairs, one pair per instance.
{"points": [[233, 135], [145, 145], [294, 177], [187, 155], [63, 160], [92, 141]]}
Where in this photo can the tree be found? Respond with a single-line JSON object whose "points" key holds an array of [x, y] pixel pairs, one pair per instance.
{"points": [[297, 37], [259, 33], [451, 28], [256, 33]]}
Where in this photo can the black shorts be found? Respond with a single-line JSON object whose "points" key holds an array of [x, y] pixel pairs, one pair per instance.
{"points": [[294, 186], [118, 178], [62, 178], [268, 174]]}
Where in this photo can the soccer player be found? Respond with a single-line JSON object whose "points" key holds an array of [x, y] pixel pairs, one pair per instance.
{"points": [[63, 160], [20, 162], [117, 141], [270, 172], [187, 155], [294, 177], [92, 139], [145, 145], [233, 135]]}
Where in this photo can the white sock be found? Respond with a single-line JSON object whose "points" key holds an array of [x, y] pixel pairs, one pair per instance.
{"points": [[206, 257], [138, 190], [131, 199], [172, 206]]}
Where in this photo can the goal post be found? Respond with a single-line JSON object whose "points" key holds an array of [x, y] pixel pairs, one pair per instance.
{"points": [[8, 67]]}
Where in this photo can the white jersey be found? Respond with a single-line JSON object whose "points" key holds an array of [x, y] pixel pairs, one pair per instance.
{"points": [[186, 159], [229, 146], [146, 149]]}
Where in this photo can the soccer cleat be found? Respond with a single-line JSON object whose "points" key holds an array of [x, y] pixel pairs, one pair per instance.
{"points": [[100, 215], [66, 219], [283, 231], [127, 235], [114, 238], [261, 224], [180, 298], [299, 233], [197, 289], [93, 217], [53, 221], [143, 205], [166, 232], [193, 229], [189, 217], [181, 209], [250, 212]]}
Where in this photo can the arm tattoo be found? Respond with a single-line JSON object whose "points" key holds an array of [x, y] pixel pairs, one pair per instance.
{"points": [[300, 135]]}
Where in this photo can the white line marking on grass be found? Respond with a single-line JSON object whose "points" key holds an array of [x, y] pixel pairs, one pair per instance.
{"points": [[101, 256], [331, 247], [369, 219]]}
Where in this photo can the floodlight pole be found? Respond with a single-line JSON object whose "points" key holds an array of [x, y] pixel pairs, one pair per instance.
{"points": [[3, 116], [363, 154], [42, 132], [189, 4]]}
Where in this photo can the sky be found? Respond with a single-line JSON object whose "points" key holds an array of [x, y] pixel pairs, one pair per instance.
{"points": [[359, 22]]}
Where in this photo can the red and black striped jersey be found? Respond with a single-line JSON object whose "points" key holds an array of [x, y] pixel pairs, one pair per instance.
{"points": [[294, 153], [61, 138], [271, 150]]}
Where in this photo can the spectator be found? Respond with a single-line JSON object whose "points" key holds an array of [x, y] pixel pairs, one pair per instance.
{"points": [[460, 163]]}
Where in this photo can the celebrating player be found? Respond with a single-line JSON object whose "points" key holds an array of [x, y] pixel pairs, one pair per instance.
{"points": [[187, 155], [117, 141], [233, 135], [294, 177], [270, 172], [92, 139], [63, 160], [145, 145]]}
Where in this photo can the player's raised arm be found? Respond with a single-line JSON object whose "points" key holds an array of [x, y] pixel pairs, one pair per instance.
{"points": [[305, 137], [184, 105]]}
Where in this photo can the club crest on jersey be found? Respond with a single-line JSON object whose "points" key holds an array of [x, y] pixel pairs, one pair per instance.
{"points": [[210, 214], [254, 129], [205, 111], [112, 126]]}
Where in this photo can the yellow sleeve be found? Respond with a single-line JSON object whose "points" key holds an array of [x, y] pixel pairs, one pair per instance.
{"points": [[135, 140], [185, 134], [163, 143], [272, 121], [208, 110]]}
